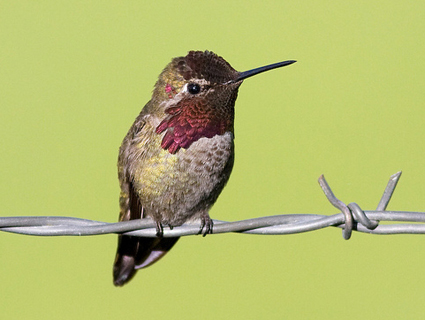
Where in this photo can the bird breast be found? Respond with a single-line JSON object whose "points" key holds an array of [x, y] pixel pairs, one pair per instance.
{"points": [[176, 187]]}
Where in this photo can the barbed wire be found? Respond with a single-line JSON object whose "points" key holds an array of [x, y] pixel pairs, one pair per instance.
{"points": [[351, 218]]}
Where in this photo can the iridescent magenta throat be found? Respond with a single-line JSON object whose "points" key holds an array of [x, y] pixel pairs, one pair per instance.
{"points": [[189, 122]]}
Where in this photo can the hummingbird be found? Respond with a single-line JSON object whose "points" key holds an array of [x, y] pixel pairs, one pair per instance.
{"points": [[178, 155]]}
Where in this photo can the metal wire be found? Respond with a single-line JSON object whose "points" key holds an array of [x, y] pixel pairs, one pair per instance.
{"points": [[351, 218]]}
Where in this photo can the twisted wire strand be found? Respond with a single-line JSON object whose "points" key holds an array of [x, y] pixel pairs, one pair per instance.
{"points": [[352, 218]]}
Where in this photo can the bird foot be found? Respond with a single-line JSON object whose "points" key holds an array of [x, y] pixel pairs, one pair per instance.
{"points": [[207, 223], [160, 229]]}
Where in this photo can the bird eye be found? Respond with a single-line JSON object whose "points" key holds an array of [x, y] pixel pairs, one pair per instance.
{"points": [[193, 88]]}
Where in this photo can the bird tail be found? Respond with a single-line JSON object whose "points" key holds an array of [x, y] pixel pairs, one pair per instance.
{"points": [[134, 253]]}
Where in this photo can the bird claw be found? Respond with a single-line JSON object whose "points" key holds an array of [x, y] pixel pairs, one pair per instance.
{"points": [[159, 230], [207, 223]]}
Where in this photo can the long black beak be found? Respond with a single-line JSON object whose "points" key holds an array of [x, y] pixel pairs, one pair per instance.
{"points": [[253, 72]]}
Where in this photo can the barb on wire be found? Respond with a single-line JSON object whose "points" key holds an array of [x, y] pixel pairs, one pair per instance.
{"points": [[351, 218], [346, 233]]}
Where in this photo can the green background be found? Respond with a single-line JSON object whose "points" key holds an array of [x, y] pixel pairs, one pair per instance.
{"points": [[74, 75]]}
